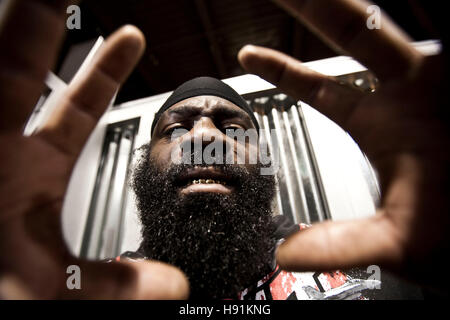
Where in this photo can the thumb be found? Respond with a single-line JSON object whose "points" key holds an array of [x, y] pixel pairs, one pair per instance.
{"points": [[341, 245], [129, 280]]}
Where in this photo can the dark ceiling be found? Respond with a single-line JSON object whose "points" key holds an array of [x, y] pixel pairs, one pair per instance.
{"points": [[189, 38]]}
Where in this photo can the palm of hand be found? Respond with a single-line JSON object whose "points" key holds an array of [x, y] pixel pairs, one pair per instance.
{"points": [[401, 127], [35, 170]]}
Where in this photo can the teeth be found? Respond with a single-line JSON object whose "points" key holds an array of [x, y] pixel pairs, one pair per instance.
{"points": [[208, 181]]}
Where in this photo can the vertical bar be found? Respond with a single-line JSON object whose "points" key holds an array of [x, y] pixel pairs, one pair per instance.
{"points": [[265, 135], [100, 203], [104, 228], [307, 176], [315, 172], [283, 193], [287, 174], [129, 134], [104, 239], [111, 228], [101, 199], [304, 212]]}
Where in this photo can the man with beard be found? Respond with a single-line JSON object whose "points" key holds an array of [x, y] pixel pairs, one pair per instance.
{"points": [[213, 221]]}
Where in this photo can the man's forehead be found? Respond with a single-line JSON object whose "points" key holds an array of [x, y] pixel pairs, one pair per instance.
{"points": [[204, 104]]}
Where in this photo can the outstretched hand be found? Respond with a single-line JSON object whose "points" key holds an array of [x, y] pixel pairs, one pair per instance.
{"points": [[400, 127], [34, 171]]}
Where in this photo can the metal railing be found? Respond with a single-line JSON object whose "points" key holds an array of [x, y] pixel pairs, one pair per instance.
{"points": [[103, 231]]}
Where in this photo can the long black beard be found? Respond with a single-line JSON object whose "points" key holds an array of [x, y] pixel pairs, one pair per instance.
{"points": [[223, 243]]}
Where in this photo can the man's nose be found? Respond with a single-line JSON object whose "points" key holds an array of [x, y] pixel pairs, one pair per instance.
{"points": [[206, 143], [205, 130]]}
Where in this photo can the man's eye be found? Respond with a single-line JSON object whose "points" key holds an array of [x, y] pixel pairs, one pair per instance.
{"points": [[232, 127], [176, 132]]}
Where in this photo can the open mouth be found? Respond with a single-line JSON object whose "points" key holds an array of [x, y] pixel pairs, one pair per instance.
{"points": [[205, 179]]}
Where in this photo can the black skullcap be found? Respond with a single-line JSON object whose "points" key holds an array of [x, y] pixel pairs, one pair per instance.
{"points": [[204, 86]]}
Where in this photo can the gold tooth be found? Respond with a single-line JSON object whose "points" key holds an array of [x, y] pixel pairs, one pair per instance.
{"points": [[208, 181]]}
